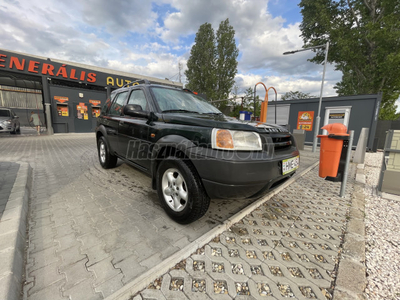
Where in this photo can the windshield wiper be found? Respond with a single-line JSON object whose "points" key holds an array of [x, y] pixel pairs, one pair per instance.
{"points": [[180, 110], [214, 113]]}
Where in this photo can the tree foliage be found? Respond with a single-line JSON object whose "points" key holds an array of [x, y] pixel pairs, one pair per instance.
{"points": [[201, 64], [226, 59], [212, 64], [245, 103], [364, 41], [296, 95]]}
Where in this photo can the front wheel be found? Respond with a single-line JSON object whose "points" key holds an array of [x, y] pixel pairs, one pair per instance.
{"points": [[180, 191], [106, 159]]}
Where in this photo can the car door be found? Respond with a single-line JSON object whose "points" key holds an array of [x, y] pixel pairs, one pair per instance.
{"points": [[134, 132], [112, 119]]}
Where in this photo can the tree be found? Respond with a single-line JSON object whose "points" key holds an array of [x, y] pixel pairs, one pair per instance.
{"points": [[226, 63], [296, 95], [212, 64], [201, 64], [364, 41]]}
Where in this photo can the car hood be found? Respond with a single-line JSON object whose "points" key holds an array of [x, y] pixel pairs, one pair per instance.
{"points": [[4, 118], [220, 121]]}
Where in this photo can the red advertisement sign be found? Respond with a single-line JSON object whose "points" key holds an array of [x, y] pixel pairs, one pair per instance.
{"points": [[305, 120], [61, 99], [95, 102]]}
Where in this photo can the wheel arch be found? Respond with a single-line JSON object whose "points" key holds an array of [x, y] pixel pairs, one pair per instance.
{"points": [[101, 131], [171, 145]]}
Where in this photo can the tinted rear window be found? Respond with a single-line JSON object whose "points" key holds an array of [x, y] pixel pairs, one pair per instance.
{"points": [[4, 113]]}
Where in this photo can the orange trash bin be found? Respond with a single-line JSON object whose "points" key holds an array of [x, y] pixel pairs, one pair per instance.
{"points": [[331, 149]]}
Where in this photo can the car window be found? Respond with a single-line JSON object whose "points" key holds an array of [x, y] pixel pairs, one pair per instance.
{"points": [[107, 104], [173, 99], [4, 113], [137, 97], [118, 103]]}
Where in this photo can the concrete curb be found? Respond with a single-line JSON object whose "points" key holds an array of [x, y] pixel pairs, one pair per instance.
{"points": [[351, 279], [13, 235], [146, 278]]}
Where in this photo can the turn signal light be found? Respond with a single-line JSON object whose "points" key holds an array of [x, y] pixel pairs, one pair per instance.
{"points": [[224, 139]]}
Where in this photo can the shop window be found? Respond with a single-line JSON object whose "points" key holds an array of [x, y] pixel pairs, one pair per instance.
{"points": [[62, 110], [95, 111], [82, 111]]}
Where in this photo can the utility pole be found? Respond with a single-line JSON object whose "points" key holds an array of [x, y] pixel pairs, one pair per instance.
{"points": [[318, 118], [179, 73]]}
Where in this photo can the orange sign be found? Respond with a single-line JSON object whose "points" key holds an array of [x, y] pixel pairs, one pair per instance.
{"points": [[62, 110], [81, 111], [82, 106], [61, 99], [305, 120], [95, 102]]}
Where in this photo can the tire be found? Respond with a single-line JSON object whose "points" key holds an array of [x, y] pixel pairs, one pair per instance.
{"points": [[106, 159], [14, 130], [19, 130], [180, 191]]}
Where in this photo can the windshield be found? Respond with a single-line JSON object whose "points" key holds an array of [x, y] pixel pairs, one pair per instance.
{"points": [[170, 100], [4, 113]]}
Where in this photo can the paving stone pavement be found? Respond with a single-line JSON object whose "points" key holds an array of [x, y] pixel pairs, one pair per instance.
{"points": [[289, 247], [91, 230], [7, 179]]}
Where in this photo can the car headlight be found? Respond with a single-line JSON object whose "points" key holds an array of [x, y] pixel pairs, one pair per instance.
{"points": [[235, 140]]}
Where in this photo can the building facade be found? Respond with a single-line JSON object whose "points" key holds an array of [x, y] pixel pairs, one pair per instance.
{"points": [[355, 112], [67, 96]]}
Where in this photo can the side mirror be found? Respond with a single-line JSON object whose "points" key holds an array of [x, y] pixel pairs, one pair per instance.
{"points": [[136, 111]]}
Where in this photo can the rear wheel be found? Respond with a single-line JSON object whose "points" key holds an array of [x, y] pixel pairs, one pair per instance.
{"points": [[106, 159], [180, 190]]}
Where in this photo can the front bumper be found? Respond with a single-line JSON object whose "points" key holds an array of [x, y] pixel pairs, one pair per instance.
{"points": [[239, 175], [4, 127]]}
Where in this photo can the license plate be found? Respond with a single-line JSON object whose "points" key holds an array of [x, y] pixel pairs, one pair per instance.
{"points": [[290, 164]]}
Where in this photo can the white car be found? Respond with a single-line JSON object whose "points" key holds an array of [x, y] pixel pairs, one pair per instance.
{"points": [[9, 121]]}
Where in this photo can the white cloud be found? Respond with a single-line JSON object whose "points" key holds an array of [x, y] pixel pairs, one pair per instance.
{"points": [[129, 36]]}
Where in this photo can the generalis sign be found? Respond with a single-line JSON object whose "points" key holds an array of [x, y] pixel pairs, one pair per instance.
{"points": [[34, 66]]}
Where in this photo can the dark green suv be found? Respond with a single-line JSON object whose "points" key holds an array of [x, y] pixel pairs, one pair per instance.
{"points": [[190, 149]]}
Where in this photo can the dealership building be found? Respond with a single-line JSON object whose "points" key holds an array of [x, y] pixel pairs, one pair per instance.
{"points": [[68, 96]]}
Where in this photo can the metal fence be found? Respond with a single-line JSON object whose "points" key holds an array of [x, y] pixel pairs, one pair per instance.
{"points": [[16, 97], [389, 178]]}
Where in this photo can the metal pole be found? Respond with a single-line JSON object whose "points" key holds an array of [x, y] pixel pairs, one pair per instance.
{"points": [[318, 119], [346, 166], [254, 115], [276, 99]]}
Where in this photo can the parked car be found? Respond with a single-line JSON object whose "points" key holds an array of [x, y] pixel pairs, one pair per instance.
{"points": [[9, 121], [190, 149]]}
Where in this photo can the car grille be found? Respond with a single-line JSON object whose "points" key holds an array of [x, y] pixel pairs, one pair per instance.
{"points": [[280, 141]]}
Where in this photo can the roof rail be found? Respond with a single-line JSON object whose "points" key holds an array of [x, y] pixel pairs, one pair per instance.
{"points": [[141, 81]]}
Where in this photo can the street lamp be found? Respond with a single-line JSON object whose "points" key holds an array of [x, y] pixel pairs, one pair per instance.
{"points": [[318, 119]]}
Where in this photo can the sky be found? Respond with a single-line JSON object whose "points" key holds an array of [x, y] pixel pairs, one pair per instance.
{"points": [[152, 38]]}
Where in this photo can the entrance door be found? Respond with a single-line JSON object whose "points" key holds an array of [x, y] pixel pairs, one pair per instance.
{"points": [[337, 114], [82, 117]]}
